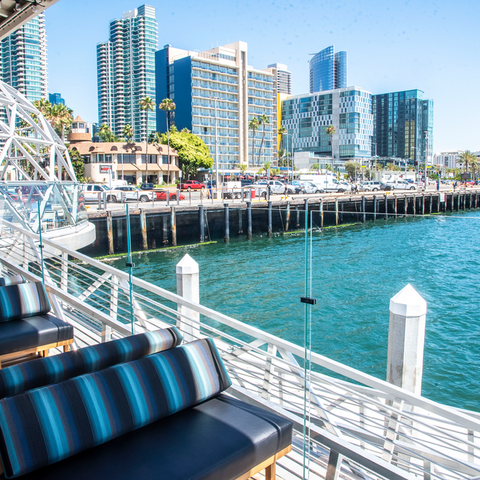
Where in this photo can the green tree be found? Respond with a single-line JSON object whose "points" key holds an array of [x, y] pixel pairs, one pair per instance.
{"points": [[331, 131], [78, 164], [253, 125], [147, 104], [192, 151], [393, 168], [127, 135], [243, 168], [281, 150], [167, 105], [263, 120], [106, 135], [350, 168]]}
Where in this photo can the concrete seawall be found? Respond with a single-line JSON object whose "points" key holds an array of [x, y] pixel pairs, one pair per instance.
{"points": [[160, 227]]}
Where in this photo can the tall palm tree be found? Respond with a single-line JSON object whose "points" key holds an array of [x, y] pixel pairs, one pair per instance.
{"points": [[254, 125], [104, 132], [331, 131], [282, 131], [465, 158], [61, 117], [127, 134], [44, 106], [167, 105], [263, 120], [148, 105]]}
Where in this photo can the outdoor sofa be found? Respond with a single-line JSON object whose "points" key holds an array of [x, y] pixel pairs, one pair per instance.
{"points": [[26, 326], [141, 407]]}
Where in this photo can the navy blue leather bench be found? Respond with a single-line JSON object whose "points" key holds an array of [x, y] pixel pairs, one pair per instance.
{"points": [[143, 407]]}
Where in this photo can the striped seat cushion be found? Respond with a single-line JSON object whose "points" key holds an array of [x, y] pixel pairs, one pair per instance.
{"points": [[48, 424], [12, 280], [44, 371], [23, 300]]}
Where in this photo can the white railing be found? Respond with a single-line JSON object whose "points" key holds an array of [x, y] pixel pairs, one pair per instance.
{"points": [[358, 425]]}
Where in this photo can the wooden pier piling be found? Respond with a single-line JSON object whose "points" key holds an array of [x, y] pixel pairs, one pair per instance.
{"points": [[374, 208], [173, 225], [364, 213], [287, 217], [240, 220], [249, 220], [110, 233], [201, 223], [269, 227], [226, 216], [321, 213], [336, 210], [143, 228]]}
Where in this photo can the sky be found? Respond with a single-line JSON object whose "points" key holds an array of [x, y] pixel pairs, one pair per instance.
{"points": [[392, 45]]}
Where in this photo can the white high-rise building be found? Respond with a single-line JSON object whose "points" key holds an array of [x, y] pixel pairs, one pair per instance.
{"points": [[126, 72], [24, 59], [284, 78]]}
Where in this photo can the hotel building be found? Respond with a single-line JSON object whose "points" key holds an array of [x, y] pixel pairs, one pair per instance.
{"points": [[216, 94], [24, 59], [306, 118], [126, 72], [403, 125], [328, 70]]}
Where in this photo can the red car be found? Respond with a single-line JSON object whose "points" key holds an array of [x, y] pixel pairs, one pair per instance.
{"points": [[191, 185], [162, 195]]}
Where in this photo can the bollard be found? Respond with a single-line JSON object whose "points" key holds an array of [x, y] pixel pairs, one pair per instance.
{"points": [[287, 215], [406, 339], [364, 213], [110, 233], [201, 220], [249, 220], [143, 227], [173, 224], [374, 208], [227, 223], [188, 322]]}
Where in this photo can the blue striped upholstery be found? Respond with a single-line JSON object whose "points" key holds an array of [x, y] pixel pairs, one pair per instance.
{"points": [[23, 300], [44, 371], [12, 280], [48, 424]]}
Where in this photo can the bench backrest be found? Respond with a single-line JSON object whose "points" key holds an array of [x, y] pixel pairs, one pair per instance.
{"points": [[12, 280], [23, 300], [48, 424], [45, 371]]}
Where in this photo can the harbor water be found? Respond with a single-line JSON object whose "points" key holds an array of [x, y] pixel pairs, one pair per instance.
{"points": [[356, 270]]}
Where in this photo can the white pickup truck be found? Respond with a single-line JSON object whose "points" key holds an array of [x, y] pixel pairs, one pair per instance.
{"points": [[91, 191]]}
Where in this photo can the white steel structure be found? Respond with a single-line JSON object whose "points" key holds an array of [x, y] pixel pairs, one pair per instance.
{"points": [[37, 179]]}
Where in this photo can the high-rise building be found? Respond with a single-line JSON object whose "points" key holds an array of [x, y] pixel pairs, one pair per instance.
{"points": [[328, 70], [216, 94], [24, 59], [56, 99], [403, 125], [306, 118], [126, 72], [284, 78]]}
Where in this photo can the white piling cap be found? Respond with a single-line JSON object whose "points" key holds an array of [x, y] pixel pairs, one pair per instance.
{"points": [[187, 266], [408, 303]]}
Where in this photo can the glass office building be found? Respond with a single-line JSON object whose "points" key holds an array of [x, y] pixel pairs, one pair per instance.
{"points": [[403, 125], [306, 118], [328, 70], [126, 72], [216, 95], [24, 59]]}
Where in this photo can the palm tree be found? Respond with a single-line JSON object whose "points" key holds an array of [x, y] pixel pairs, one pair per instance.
{"points": [[282, 131], [465, 158], [60, 117], [146, 104], [167, 105], [127, 135], [43, 106], [254, 124], [331, 131], [263, 120]]}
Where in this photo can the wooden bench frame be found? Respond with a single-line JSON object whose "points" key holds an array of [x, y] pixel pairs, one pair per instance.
{"points": [[269, 465], [42, 349]]}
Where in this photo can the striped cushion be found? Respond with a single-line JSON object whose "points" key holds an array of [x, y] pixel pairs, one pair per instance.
{"points": [[51, 423], [23, 300], [12, 280], [44, 371]]}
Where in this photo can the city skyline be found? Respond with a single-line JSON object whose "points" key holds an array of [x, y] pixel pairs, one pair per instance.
{"points": [[391, 48]]}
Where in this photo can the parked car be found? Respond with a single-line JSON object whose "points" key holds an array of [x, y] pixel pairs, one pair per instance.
{"points": [[246, 182], [91, 191], [146, 186], [373, 186], [134, 193], [310, 187], [191, 185], [162, 195], [401, 185], [276, 187], [294, 187]]}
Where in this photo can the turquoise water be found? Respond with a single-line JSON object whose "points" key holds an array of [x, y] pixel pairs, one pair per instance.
{"points": [[356, 271]]}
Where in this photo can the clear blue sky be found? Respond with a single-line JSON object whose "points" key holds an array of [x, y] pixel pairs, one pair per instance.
{"points": [[391, 45]]}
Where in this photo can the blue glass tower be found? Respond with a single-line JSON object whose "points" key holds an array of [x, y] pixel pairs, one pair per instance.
{"points": [[328, 70]]}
